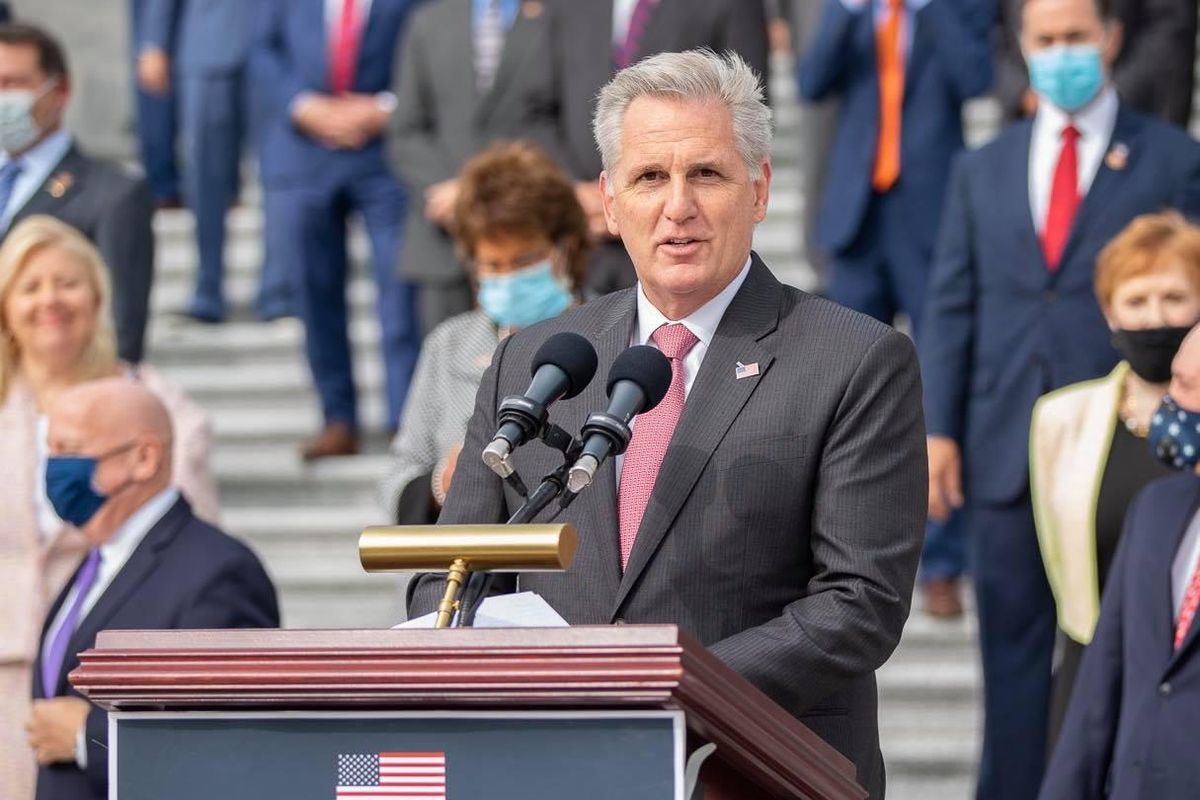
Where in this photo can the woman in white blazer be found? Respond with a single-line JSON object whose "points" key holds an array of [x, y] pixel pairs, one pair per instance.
{"points": [[1088, 450], [56, 332]]}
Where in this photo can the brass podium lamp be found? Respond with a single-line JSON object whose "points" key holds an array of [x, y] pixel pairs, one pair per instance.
{"points": [[466, 548]]}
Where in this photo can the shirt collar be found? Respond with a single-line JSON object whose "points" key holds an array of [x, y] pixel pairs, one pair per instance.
{"points": [[43, 156], [702, 322], [120, 547], [1095, 121], [508, 10]]}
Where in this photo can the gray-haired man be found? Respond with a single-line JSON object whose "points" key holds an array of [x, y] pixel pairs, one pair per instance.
{"points": [[772, 505]]}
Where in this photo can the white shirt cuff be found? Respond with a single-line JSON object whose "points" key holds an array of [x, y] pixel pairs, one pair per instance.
{"points": [[81, 747]]}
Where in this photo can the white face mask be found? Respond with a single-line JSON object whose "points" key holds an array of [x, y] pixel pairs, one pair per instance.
{"points": [[18, 129]]}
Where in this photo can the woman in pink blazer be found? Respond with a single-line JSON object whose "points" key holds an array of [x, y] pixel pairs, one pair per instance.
{"points": [[56, 332]]}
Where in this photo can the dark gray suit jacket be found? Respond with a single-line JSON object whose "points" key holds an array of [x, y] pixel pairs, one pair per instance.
{"points": [[581, 42], [442, 119], [114, 209], [786, 523], [1154, 72]]}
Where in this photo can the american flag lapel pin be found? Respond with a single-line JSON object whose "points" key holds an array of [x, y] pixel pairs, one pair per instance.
{"points": [[745, 370]]}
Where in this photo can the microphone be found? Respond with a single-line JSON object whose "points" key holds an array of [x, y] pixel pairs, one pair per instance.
{"points": [[561, 368], [637, 382]]}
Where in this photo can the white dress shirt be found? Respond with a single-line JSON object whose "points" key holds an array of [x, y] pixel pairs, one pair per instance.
{"points": [[1187, 559], [702, 323], [622, 13], [333, 15], [1095, 123], [36, 166]]}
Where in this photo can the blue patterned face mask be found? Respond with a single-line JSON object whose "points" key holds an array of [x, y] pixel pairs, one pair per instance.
{"points": [[524, 297], [1068, 76], [1175, 435]]}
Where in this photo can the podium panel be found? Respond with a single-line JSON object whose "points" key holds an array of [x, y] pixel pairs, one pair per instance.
{"points": [[501, 755]]}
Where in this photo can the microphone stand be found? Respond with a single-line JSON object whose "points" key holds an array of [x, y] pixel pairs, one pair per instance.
{"points": [[480, 583]]}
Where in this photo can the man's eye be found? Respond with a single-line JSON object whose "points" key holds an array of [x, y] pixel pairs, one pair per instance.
{"points": [[649, 175]]}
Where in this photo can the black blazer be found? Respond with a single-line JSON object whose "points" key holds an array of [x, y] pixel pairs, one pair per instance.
{"points": [[1130, 731], [784, 529], [113, 208], [184, 574]]}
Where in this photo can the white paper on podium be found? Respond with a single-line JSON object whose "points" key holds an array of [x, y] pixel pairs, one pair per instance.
{"points": [[520, 610]]}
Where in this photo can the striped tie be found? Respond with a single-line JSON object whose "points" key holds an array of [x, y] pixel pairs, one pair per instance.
{"points": [[624, 54], [489, 44]]}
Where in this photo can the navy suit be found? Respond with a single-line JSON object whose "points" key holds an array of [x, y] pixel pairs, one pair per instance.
{"points": [[156, 121], [184, 574], [209, 42], [1001, 330], [881, 244], [1130, 731], [310, 191]]}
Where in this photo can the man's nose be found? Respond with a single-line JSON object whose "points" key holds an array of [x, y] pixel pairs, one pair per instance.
{"points": [[681, 201]]}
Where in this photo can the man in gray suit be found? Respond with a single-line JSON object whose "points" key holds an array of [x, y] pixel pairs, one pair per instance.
{"points": [[591, 40], [772, 504], [469, 72], [42, 171]]}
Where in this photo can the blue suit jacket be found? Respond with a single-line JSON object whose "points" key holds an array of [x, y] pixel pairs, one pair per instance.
{"points": [[290, 56], [948, 62], [184, 574], [1130, 731], [1000, 328], [202, 36]]}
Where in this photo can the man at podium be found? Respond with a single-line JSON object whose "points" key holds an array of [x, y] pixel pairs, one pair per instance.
{"points": [[772, 503]]}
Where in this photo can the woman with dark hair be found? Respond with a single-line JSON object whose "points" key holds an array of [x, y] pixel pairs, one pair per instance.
{"points": [[519, 227]]}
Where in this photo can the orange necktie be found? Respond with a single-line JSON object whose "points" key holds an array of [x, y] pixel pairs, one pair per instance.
{"points": [[890, 58]]}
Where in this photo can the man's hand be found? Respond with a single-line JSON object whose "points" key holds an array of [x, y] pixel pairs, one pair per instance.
{"points": [[451, 464], [54, 727], [945, 477], [329, 120], [154, 70], [588, 195], [364, 112], [439, 202]]}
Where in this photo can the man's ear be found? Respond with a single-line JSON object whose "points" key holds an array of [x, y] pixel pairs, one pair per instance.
{"points": [[762, 192], [1114, 40], [606, 198]]}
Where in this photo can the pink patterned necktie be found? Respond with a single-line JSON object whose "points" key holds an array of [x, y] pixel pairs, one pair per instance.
{"points": [[651, 436], [1188, 609], [624, 54]]}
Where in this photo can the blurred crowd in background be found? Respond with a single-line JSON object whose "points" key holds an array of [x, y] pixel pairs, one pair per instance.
{"points": [[1048, 278]]}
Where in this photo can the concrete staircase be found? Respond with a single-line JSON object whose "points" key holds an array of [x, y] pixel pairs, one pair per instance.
{"points": [[304, 519]]}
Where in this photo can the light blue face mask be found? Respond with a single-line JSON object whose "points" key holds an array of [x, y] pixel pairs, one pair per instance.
{"points": [[1067, 76], [524, 297]]}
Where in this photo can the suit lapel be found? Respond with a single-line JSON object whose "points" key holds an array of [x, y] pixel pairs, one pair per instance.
{"points": [[716, 398], [918, 50], [516, 45], [611, 338], [1107, 183], [141, 564], [56, 190], [1014, 183], [1165, 617], [592, 35]]}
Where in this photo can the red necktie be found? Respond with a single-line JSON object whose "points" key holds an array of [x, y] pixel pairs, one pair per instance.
{"points": [[1187, 611], [890, 58], [345, 49], [1064, 199], [651, 436]]}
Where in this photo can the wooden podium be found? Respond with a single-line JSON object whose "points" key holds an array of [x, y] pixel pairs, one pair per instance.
{"points": [[261, 681]]}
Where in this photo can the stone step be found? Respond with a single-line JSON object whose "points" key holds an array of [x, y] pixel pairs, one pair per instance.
{"points": [[277, 478], [948, 680], [919, 787]]}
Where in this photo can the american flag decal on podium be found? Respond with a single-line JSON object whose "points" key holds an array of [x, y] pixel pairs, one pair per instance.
{"points": [[392, 776]]}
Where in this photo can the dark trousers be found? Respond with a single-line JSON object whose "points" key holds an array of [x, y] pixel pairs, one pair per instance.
{"points": [[944, 553], [216, 130], [1016, 637], [885, 271], [157, 126], [307, 229]]}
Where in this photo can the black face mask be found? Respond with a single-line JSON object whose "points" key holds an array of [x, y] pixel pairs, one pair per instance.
{"points": [[1150, 351]]}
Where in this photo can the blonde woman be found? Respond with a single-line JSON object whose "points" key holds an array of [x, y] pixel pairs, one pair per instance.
{"points": [[56, 332], [1088, 450]]}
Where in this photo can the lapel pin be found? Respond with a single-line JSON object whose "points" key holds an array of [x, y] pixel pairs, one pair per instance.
{"points": [[59, 184], [745, 370], [532, 9], [1117, 156]]}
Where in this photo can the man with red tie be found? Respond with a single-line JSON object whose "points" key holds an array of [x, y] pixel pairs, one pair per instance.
{"points": [[1011, 316], [1130, 731], [323, 68]]}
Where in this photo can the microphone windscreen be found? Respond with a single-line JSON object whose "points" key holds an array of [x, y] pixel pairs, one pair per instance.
{"points": [[571, 353], [645, 366]]}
